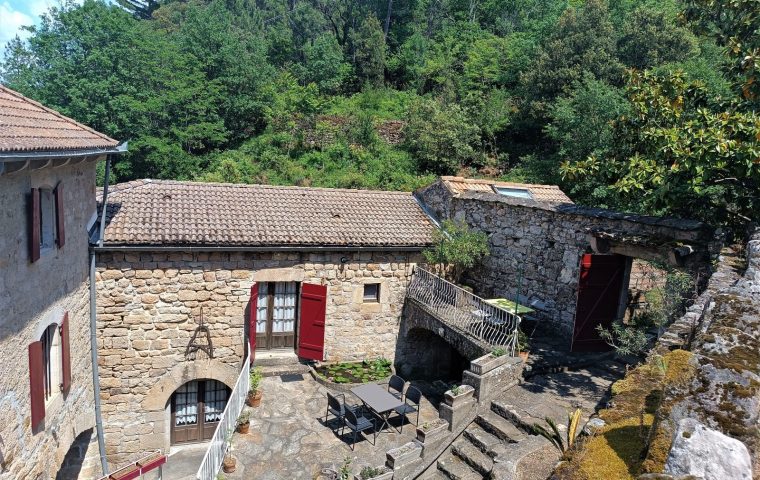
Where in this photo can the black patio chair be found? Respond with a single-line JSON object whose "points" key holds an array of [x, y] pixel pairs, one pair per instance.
{"points": [[358, 424], [411, 405], [338, 407], [396, 386]]}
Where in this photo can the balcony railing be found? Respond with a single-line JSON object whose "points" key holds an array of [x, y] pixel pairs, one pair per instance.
{"points": [[464, 311], [219, 444]]}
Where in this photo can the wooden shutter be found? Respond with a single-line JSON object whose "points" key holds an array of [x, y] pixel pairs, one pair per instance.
{"points": [[252, 319], [60, 238], [65, 354], [36, 384], [311, 341], [34, 220]]}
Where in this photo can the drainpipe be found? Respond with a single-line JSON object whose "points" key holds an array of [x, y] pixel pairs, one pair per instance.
{"points": [[93, 328]]}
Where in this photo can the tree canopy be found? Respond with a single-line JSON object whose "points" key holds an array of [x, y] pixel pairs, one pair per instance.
{"points": [[647, 106]]}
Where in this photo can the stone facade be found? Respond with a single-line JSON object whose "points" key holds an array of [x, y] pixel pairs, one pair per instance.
{"points": [[149, 304], [536, 247], [34, 296]]}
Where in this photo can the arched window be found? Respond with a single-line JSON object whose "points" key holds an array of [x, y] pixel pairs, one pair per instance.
{"points": [[51, 361]]}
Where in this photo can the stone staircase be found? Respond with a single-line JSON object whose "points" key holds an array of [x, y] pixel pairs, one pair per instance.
{"points": [[491, 447], [275, 363]]}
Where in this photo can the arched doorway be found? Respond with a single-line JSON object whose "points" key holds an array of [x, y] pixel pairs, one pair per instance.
{"points": [[196, 408]]}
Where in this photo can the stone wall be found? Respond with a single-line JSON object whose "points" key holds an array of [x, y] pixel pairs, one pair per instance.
{"points": [[149, 304], [32, 297], [536, 247]]}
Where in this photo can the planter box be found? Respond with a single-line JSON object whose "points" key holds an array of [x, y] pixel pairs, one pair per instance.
{"points": [[486, 363], [345, 387], [402, 455], [434, 429], [386, 475], [465, 394]]}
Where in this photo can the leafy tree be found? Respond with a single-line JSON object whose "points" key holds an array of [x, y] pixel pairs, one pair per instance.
{"points": [[325, 65], [456, 247], [650, 38], [369, 52], [441, 137]]}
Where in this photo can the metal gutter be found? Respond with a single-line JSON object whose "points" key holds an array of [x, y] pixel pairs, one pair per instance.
{"points": [[263, 248], [42, 155]]}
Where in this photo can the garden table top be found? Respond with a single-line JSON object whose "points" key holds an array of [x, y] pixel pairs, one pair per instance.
{"points": [[376, 397], [509, 306]]}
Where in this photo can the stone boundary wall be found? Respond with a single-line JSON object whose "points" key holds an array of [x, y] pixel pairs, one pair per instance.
{"points": [[536, 247], [148, 308]]}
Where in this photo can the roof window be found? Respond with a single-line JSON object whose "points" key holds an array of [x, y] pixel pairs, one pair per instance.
{"points": [[513, 192]]}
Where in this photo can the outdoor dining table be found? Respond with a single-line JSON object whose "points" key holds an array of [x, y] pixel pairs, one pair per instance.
{"points": [[377, 399]]}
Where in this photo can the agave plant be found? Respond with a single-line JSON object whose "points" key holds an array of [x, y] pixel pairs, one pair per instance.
{"points": [[553, 434]]}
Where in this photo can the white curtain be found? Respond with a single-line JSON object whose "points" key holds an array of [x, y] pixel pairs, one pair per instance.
{"points": [[284, 314], [261, 308], [186, 402], [215, 399]]}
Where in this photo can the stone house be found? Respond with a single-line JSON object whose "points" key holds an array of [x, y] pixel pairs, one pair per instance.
{"points": [[192, 276], [47, 193], [572, 264]]}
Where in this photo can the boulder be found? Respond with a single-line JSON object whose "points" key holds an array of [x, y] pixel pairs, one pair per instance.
{"points": [[707, 453]]}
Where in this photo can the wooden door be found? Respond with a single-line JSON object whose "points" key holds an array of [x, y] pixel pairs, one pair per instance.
{"points": [[197, 407], [276, 314], [311, 344], [599, 293]]}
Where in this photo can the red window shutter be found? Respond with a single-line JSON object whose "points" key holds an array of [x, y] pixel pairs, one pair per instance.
{"points": [[65, 354], [252, 319], [36, 384], [311, 341], [60, 238], [34, 219]]}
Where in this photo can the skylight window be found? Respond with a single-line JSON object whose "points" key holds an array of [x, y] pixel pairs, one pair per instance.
{"points": [[513, 192]]}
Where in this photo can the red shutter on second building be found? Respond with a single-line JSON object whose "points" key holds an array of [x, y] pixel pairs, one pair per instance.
{"points": [[311, 341], [34, 220], [65, 354], [252, 319], [60, 238], [36, 384]]}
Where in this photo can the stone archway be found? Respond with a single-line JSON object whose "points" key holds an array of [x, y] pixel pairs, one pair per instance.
{"points": [[422, 354]]}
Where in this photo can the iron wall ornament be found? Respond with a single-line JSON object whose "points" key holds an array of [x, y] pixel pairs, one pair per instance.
{"points": [[201, 340]]}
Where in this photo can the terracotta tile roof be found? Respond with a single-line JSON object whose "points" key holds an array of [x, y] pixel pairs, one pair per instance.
{"points": [[171, 213], [27, 126], [541, 193]]}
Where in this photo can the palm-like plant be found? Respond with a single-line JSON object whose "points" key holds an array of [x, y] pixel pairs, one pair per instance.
{"points": [[553, 434]]}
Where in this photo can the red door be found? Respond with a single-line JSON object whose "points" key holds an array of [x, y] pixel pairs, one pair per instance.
{"points": [[311, 341], [599, 294]]}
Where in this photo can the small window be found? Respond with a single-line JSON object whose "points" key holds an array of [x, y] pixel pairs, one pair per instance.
{"points": [[513, 192], [371, 292], [47, 219], [51, 361]]}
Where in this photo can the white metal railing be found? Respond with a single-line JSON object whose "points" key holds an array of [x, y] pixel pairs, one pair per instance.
{"points": [[464, 311], [219, 444]]}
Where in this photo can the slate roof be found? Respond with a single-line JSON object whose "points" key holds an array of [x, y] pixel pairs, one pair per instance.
{"points": [[172, 213], [540, 193], [28, 126]]}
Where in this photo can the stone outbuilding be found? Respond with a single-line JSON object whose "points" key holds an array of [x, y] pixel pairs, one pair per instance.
{"points": [[47, 196], [193, 276]]}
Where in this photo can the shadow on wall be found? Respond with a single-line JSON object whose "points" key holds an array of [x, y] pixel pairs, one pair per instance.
{"points": [[76, 457], [423, 355]]}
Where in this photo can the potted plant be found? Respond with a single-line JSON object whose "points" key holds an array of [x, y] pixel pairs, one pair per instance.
{"points": [[254, 394], [496, 358], [229, 464], [244, 422], [458, 394], [430, 429], [523, 344], [374, 473]]}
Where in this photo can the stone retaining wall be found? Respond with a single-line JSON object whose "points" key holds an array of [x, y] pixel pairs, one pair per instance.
{"points": [[149, 305]]}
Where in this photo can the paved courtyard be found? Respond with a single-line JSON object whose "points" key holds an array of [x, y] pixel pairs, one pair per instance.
{"points": [[289, 440]]}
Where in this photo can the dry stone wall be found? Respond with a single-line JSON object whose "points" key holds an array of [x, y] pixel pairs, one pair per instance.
{"points": [[148, 309], [34, 296]]}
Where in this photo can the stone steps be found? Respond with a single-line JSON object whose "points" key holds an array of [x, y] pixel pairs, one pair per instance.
{"points": [[481, 438], [270, 358], [524, 418], [472, 456], [500, 427], [456, 469], [288, 369]]}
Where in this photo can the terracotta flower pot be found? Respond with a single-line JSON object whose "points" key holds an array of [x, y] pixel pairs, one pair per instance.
{"points": [[524, 356], [229, 464], [253, 399], [244, 427]]}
